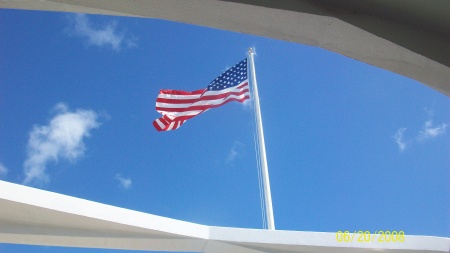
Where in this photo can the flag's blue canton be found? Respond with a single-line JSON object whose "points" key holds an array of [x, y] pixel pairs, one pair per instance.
{"points": [[230, 78]]}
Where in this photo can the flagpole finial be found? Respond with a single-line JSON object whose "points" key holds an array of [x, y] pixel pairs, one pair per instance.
{"points": [[250, 50]]}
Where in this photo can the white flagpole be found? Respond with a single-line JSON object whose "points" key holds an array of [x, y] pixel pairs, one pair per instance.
{"points": [[262, 147]]}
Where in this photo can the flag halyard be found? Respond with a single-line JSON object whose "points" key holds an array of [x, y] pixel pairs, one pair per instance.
{"points": [[178, 106]]}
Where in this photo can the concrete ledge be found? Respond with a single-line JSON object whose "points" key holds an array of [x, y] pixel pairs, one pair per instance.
{"points": [[377, 40], [33, 216]]}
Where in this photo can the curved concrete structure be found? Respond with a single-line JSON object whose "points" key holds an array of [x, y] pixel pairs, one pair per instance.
{"points": [[33, 216], [408, 37]]}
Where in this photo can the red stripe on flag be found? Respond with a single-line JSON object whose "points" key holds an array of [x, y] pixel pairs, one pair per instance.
{"points": [[187, 99], [193, 107], [181, 92]]}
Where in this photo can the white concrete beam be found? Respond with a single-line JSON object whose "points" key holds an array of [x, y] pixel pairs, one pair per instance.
{"points": [[297, 26], [33, 216]]}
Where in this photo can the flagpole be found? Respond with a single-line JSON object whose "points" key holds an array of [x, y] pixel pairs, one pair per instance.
{"points": [[262, 147]]}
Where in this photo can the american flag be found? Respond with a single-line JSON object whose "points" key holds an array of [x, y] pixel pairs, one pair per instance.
{"points": [[177, 106]]}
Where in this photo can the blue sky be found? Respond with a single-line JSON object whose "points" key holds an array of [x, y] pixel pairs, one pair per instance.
{"points": [[349, 146]]}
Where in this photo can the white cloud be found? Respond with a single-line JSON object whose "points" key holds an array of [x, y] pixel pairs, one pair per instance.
{"points": [[124, 182], [3, 170], [61, 138], [235, 151], [429, 131], [398, 137], [107, 35]]}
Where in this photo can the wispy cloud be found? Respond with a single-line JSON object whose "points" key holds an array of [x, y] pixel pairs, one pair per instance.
{"points": [[61, 138], [3, 170], [107, 35], [235, 151], [398, 137], [124, 182], [429, 131]]}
